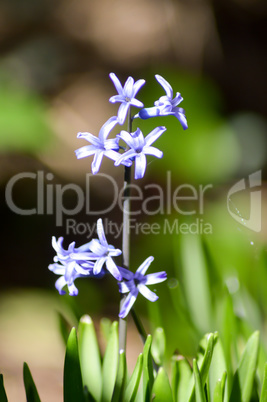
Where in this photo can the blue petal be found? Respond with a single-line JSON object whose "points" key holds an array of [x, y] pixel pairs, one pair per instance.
{"points": [[151, 296], [148, 112], [127, 305], [165, 85]]}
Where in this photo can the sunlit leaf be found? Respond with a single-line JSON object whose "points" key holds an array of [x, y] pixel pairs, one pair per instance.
{"points": [[110, 363], [120, 379], [245, 374], [133, 384], [73, 386], [89, 354], [161, 390], [199, 391]]}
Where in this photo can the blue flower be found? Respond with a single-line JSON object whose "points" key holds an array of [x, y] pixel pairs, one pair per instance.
{"points": [[126, 95], [101, 146], [101, 252], [139, 148], [135, 283], [166, 105], [69, 265]]}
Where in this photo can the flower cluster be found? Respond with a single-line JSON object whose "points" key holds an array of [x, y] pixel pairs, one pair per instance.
{"points": [[136, 145], [95, 259]]}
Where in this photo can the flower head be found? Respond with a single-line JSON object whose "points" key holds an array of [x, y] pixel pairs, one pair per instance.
{"points": [[126, 95], [101, 146], [166, 105], [101, 252], [135, 283], [139, 148], [69, 264]]}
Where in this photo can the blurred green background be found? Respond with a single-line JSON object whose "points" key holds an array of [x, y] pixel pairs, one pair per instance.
{"points": [[54, 66]]}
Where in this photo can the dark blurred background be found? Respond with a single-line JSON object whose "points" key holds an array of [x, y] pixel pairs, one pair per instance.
{"points": [[55, 58]]}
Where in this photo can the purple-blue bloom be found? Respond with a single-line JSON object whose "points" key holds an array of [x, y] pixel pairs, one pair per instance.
{"points": [[139, 148], [126, 95], [101, 252], [69, 265], [135, 283], [166, 105], [100, 145]]}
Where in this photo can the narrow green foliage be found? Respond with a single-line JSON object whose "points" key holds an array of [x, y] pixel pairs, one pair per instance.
{"points": [[133, 383], [121, 378], [206, 361], [174, 376], [217, 368], [161, 390], [110, 363], [105, 326], [30, 388], [199, 391], [148, 377], [3, 397], [158, 346], [186, 380], [73, 386], [264, 386], [89, 354], [218, 395], [245, 374]]}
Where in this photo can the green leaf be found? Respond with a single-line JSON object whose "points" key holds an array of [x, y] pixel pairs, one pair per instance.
{"points": [[105, 326], [133, 384], [110, 363], [161, 390], [120, 380], [30, 388], [158, 346], [186, 380], [73, 386], [264, 386], [89, 354], [218, 395], [199, 391], [196, 283], [217, 369], [245, 374], [174, 376], [3, 397], [148, 377], [205, 364]]}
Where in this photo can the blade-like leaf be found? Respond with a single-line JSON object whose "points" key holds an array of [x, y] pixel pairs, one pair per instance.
{"points": [[73, 386], [148, 377], [120, 380], [105, 325], [158, 346], [89, 354], [199, 391], [110, 363], [217, 369], [30, 388], [3, 397], [161, 390], [186, 380], [264, 386], [218, 395], [133, 384], [244, 376], [206, 361]]}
